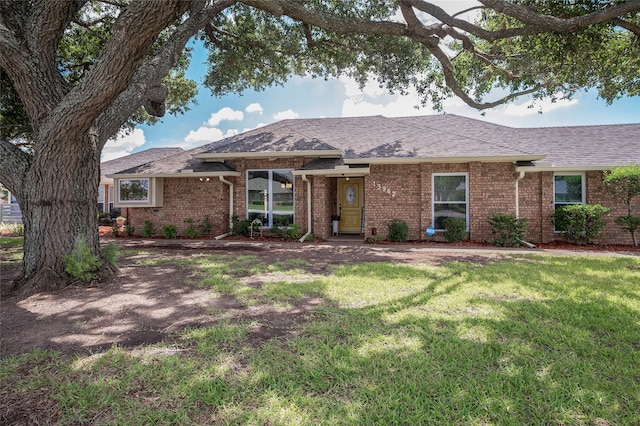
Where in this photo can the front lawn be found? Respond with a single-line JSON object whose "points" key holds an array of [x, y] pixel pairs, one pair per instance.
{"points": [[526, 340]]}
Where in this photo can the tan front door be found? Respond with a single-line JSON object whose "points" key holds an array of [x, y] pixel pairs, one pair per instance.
{"points": [[350, 204]]}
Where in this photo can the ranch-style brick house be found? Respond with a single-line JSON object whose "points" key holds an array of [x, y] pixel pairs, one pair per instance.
{"points": [[370, 170]]}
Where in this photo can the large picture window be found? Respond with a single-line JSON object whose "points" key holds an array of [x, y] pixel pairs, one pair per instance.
{"points": [[270, 197], [568, 189], [133, 190], [450, 198]]}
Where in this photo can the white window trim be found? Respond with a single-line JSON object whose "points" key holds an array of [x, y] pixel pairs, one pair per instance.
{"points": [[270, 199], [433, 197], [583, 189], [141, 201]]}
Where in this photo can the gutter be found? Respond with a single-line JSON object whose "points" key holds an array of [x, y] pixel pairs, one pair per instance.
{"points": [[518, 179], [230, 184], [305, 179]]}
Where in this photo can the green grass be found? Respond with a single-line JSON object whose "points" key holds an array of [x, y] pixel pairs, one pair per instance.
{"points": [[10, 252], [530, 340]]}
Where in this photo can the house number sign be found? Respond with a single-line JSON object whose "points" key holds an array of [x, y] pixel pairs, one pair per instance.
{"points": [[384, 189]]}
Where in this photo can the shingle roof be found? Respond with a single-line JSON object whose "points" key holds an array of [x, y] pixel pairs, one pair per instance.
{"points": [[133, 160], [430, 137]]}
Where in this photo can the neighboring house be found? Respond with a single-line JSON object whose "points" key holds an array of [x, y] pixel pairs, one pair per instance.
{"points": [[105, 190], [370, 170], [9, 208]]}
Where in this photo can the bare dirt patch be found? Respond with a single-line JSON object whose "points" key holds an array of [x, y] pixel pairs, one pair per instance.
{"points": [[146, 303]]}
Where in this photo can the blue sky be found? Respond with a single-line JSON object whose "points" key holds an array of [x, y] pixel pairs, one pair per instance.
{"points": [[215, 118]]}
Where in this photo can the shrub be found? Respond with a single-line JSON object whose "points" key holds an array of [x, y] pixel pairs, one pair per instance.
{"points": [[508, 230], [624, 181], [190, 231], [630, 223], [276, 231], [115, 230], [205, 226], [169, 231], [147, 229], [398, 231], [110, 254], [240, 228], [81, 264], [581, 223], [455, 229], [292, 232], [129, 230]]}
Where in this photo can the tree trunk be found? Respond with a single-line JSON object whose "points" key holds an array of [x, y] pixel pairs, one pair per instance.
{"points": [[59, 205]]}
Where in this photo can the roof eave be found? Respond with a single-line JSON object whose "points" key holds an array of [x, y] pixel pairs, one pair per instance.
{"points": [[357, 172], [174, 175], [268, 154], [553, 168], [465, 159]]}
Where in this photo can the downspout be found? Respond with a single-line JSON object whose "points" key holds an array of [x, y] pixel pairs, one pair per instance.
{"points": [[304, 237], [519, 178], [230, 184]]}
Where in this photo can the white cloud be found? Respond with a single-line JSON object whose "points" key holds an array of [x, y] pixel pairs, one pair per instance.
{"points": [[225, 113], [254, 107], [206, 135], [374, 100], [284, 115], [122, 144]]}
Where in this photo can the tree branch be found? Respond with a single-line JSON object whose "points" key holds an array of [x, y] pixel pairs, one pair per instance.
{"points": [[151, 73]]}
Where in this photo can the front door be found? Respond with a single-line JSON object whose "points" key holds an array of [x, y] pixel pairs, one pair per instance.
{"points": [[350, 205]]}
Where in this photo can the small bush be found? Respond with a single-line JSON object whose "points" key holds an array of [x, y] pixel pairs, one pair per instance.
{"points": [[170, 231], [455, 229], [292, 232], [581, 223], [240, 228], [630, 223], [190, 232], [81, 264], [205, 226], [509, 231], [147, 229], [115, 230], [398, 231], [276, 232], [110, 254], [129, 230]]}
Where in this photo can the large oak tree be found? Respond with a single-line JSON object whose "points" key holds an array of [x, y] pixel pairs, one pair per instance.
{"points": [[75, 72]]}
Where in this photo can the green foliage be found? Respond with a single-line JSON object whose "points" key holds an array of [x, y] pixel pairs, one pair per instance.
{"points": [[240, 228], [147, 229], [509, 231], [624, 182], [630, 223], [115, 230], [398, 231], [190, 231], [205, 226], [581, 223], [455, 229], [81, 264], [110, 254], [169, 231], [129, 230], [292, 232]]}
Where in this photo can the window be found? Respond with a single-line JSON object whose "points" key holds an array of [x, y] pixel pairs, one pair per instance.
{"points": [[101, 199], [568, 189], [450, 198], [270, 197], [111, 198], [133, 190]]}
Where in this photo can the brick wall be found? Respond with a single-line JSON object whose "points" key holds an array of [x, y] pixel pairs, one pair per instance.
{"points": [[390, 192], [186, 198]]}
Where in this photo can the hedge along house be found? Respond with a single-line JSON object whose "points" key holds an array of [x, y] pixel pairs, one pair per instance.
{"points": [[370, 170]]}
